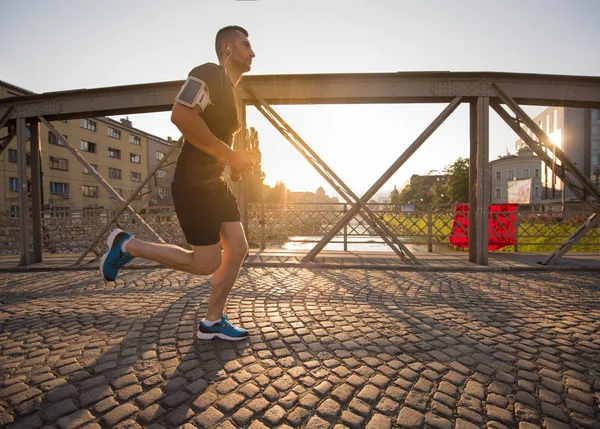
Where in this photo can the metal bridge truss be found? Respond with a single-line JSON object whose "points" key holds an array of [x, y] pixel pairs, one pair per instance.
{"points": [[500, 91]]}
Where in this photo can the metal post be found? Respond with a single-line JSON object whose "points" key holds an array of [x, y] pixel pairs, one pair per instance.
{"points": [[429, 229], [36, 191], [239, 143], [345, 230], [517, 230], [263, 223], [473, 182], [24, 238], [483, 135]]}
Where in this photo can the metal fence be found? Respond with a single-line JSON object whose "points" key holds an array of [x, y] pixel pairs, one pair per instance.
{"points": [[536, 228], [539, 228]]}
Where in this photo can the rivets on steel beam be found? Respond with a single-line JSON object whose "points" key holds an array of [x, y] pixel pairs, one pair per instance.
{"points": [[37, 109], [456, 89]]}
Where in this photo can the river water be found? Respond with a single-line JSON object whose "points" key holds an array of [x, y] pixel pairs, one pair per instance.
{"points": [[358, 244]]}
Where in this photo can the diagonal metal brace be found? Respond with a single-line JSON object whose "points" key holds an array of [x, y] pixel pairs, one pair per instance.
{"points": [[572, 240], [99, 178], [330, 176], [386, 176], [125, 205], [567, 171], [545, 140], [561, 172]]}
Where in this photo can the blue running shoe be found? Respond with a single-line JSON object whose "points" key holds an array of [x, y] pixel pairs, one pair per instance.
{"points": [[114, 258], [223, 329]]}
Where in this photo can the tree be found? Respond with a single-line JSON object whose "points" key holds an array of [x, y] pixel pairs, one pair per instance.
{"points": [[395, 199], [254, 181], [456, 188], [278, 194], [417, 192]]}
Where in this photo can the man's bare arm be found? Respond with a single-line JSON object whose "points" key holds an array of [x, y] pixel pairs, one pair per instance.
{"points": [[196, 132]]}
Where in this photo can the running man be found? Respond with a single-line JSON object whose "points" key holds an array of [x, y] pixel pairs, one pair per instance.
{"points": [[205, 113]]}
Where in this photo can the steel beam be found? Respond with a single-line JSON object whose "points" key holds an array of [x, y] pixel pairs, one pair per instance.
{"points": [[24, 238], [240, 188], [6, 115], [404, 87], [473, 182], [36, 191], [5, 141], [483, 172]]}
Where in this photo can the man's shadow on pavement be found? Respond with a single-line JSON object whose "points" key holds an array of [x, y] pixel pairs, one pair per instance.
{"points": [[156, 366]]}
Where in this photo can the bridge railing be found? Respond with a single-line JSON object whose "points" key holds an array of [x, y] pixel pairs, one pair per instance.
{"points": [[538, 228]]}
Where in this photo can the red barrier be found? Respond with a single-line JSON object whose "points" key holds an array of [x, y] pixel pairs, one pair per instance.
{"points": [[501, 226]]}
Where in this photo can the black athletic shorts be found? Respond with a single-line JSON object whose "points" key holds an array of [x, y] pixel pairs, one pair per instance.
{"points": [[201, 208]]}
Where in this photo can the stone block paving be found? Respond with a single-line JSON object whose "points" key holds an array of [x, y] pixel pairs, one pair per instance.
{"points": [[328, 349]]}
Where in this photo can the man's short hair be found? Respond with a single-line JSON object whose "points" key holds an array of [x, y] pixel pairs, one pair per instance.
{"points": [[229, 34]]}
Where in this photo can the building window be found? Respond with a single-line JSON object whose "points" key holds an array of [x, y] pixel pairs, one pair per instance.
{"points": [[135, 158], [510, 175], [525, 173], [59, 164], [59, 188], [12, 155], [88, 124], [498, 193], [114, 133], [136, 177], [135, 140], [163, 192], [13, 184], [161, 173], [555, 119], [88, 146], [89, 191], [536, 173], [86, 171], [56, 211], [14, 212], [114, 173], [159, 155], [114, 153], [536, 191], [52, 139], [498, 175]]}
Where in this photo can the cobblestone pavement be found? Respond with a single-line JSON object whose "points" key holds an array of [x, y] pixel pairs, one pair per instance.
{"points": [[329, 348]]}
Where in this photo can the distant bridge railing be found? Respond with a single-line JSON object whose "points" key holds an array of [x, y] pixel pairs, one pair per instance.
{"points": [[539, 228]]}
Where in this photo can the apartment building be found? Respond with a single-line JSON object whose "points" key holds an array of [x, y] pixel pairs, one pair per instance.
{"points": [[577, 133], [157, 150], [523, 164], [115, 149]]}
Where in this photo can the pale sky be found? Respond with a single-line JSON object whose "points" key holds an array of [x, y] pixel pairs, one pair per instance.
{"points": [[64, 45]]}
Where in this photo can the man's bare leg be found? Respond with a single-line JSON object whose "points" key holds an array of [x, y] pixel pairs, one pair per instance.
{"points": [[235, 248], [203, 260]]}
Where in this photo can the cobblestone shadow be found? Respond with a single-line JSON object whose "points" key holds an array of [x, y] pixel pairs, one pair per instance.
{"points": [[328, 348]]}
